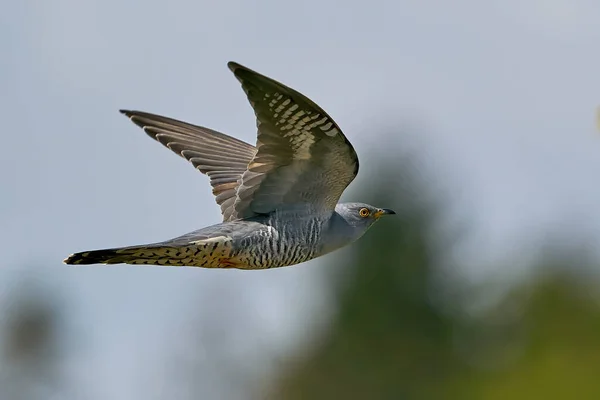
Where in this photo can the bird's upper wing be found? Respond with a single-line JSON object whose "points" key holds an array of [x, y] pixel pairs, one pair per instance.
{"points": [[223, 158], [302, 157]]}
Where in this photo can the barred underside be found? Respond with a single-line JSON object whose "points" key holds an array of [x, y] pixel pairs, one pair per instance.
{"points": [[282, 241]]}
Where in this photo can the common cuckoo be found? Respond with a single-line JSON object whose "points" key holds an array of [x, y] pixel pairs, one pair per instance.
{"points": [[279, 199]]}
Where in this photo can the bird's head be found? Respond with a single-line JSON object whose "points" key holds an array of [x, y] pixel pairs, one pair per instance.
{"points": [[361, 215]]}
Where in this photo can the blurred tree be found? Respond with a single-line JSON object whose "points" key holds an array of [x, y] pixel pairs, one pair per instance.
{"points": [[30, 363], [559, 344], [389, 341]]}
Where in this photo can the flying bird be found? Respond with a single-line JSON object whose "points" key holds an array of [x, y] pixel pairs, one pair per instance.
{"points": [[278, 199]]}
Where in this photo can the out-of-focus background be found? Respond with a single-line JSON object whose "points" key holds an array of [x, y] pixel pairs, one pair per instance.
{"points": [[474, 120]]}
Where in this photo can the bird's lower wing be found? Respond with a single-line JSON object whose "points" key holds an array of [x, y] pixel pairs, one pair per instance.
{"points": [[222, 157]]}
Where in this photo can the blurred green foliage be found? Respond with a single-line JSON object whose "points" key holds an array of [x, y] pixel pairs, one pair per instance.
{"points": [[405, 327], [391, 340]]}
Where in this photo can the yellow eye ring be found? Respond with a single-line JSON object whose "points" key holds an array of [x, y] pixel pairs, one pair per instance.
{"points": [[364, 212]]}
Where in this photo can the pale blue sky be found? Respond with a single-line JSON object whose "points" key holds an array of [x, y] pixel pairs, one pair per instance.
{"points": [[505, 91]]}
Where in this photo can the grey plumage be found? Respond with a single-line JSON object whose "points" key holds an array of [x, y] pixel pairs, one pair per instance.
{"points": [[278, 198]]}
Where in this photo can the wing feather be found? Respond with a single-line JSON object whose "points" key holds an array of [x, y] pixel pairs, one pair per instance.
{"points": [[303, 156], [223, 158]]}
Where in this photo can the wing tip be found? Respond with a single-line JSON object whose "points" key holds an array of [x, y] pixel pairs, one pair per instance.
{"points": [[127, 113], [232, 65], [239, 69], [134, 116]]}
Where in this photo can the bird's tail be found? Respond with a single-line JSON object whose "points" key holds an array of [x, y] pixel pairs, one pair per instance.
{"points": [[126, 255], [209, 253]]}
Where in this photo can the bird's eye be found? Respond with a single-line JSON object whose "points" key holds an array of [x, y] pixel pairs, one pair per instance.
{"points": [[364, 212]]}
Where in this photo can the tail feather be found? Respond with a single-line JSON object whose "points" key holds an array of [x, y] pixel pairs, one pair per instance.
{"points": [[210, 253], [129, 255], [92, 257]]}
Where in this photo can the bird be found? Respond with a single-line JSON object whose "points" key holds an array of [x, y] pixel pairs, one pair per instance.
{"points": [[278, 199]]}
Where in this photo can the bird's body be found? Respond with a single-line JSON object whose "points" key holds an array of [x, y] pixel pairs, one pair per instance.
{"points": [[278, 199], [255, 243]]}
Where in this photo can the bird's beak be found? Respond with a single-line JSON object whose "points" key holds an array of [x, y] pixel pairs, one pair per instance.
{"points": [[384, 211]]}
